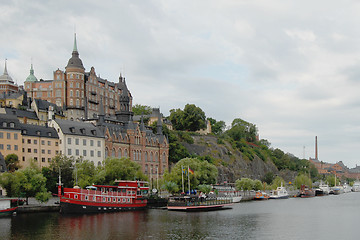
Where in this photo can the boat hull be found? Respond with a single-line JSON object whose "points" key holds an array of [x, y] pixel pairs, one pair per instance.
{"points": [[92, 207], [203, 208], [279, 197], [7, 212]]}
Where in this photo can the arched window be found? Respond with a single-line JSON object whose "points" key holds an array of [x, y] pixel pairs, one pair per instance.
{"points": [[156, 157], [119, 153], [146, 157], [134, 157], [126, 153], [146, 168], [151, 157], [164, 158], [77, 102], [113, 153]]}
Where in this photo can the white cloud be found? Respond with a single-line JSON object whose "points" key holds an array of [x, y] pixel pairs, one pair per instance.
{"points": [[291, 68]]}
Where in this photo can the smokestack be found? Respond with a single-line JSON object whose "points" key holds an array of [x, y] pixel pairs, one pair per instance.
{"points": [[316, 148]]}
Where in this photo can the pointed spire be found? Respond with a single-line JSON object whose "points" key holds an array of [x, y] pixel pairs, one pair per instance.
{"points": [[142, 125], [75, 45], [5, 70], [159, 124]]}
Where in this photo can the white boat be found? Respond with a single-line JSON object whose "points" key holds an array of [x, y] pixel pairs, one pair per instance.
{"points": [[347, 188], [228, 192], [279, 193], [356, 186], [325, 188]]}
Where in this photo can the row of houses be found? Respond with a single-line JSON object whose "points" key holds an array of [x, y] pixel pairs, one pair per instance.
{"points": [[339, 169]]}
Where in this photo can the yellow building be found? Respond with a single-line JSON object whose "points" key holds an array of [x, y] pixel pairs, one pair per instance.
{"points": [[10, 135]]}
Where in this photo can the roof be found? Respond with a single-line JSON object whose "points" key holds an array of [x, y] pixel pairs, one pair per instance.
{"points": [[21, 113], [79, 128], [44, 105], [38, 131], [11, 95], [8, 121], [75, 61], [5, 77]]}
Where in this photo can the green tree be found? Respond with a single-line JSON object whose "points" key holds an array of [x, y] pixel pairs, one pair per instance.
{"points": [[205, 188], [170, 186], [12, 162], [204, 173], [277, 182], [258, 185], [118, 169], [139, 109], [85, 172], [241, 129], [192, 118], [330, 179], [51, 179], [302, 179], [28, 182], [244, 184], [217, 127], [269, 177], [66, 166]]}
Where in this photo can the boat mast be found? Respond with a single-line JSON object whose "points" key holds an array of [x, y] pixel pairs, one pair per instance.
{"points": [[182, 178], [188, 173]]}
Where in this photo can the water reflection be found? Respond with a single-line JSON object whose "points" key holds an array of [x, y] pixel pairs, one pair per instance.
{"points": [[332, 217]]}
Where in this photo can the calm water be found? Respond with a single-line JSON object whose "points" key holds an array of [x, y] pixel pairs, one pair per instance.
{"points": [[330, 217]]}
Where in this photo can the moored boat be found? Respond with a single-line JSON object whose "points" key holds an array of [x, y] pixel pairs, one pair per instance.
{"points": [[192, 203], [356, 186], [323, 189], [127, 195], [228, 191], [279, 193], [8, 206], [261, 196], [306, 192]]}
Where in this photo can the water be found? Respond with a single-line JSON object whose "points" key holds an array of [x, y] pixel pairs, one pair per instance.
{"points": [[329, 217]]}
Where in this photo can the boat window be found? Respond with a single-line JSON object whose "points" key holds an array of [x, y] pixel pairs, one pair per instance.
{"points": [[86, 197], [76, 196], [123, 190], [109, 199], [94, 198], [124, 200], [104, 199], [119, 199], [114, 199], [128, 199], [138, 193]]}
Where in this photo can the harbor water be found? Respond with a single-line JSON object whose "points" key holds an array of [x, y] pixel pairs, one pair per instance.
{"points": [[328, 217]]}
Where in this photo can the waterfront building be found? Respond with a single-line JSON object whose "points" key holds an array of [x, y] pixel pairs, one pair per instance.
{"points": [[6, 83], [77, 91], [80, 139], [39, 144], [10, 135]]}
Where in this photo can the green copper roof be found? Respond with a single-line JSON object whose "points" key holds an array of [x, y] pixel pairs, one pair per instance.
{"points": [[31, 77]]}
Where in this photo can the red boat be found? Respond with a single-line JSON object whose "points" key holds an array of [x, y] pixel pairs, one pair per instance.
{"points": [[306, 192], [127, 195], [8, 206]]}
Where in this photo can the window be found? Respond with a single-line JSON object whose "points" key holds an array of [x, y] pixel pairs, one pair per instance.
{"points": [[69, 151], [84, 153], [71, 93], [91, 153], [35, 141], [29, 150], [91, 143], [1, 135], [77, 152], [35, 150], [1, 146], [99, 154], [42, 142], [23, 158], [56, 143], [8, 136], [49, 143], [29, 141], [76, 141], [99, 144], [8, 147], [77, 93], [15, 136], [35, 158], [84, 142], [15, 147], [43, 151], [49, 151], [43, 159], [69, 140], [71, 85], [49, 159]]}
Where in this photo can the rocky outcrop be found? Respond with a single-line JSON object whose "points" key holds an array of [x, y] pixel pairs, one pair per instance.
{"points": [[230, 162]]}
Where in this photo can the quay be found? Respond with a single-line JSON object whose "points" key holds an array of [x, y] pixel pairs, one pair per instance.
{"points": [[35, 206]]}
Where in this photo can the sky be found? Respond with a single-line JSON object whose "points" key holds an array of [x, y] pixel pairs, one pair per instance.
{"points": [[292, 68]]}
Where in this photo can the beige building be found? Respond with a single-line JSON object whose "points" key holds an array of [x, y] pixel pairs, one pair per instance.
{"points": [[10, 135]]}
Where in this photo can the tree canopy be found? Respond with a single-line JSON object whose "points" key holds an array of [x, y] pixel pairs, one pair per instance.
{"points": [[192, 118], [217, 127], [139, 109], [204, 173], [12, 162]]}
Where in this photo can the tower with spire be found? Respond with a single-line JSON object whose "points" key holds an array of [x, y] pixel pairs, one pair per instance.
{"points": [[7, 84]]}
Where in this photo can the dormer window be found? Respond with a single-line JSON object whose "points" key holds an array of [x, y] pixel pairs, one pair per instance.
{"points": [[4, 124], [82, 130], [72, 129], [49, 134], [93, 132], [12, 125], [24, 131], [38, 133]]}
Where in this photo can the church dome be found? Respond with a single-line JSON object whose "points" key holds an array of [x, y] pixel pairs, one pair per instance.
{"points": [[31, 77]]}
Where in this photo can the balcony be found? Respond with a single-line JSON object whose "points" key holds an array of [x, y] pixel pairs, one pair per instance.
{"points": [[93, 101]]}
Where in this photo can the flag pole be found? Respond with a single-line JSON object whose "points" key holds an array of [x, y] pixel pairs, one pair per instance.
{"points": [[189, 178], [182, 178]]}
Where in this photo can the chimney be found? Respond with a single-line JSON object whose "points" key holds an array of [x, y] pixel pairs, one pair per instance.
{"points": [[316, 148]]}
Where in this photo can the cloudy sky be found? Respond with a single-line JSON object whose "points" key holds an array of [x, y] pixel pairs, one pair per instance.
{"points": [[290, 67]]}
